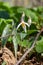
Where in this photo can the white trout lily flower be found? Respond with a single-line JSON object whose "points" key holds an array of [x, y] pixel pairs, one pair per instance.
{"points": [[23, 24]]}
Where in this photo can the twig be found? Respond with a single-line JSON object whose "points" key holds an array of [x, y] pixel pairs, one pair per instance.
{"points": [[30, 49]]}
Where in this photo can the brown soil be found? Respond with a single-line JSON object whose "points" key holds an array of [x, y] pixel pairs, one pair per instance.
{"points": [[7, 56]]}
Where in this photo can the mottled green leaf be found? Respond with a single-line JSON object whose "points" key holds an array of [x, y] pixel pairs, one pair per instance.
{"points": [[5, 32]]}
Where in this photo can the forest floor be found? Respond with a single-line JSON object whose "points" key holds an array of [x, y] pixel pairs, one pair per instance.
{"points": [[7, 55]]}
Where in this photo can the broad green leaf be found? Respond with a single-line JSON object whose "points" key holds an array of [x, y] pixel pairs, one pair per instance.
{"points": [[5, 32], [26, 43], [39, 9], [15, 45], [10, 39], [9, 21], [21, 10], [22, 35], [15, 40], [39, 46], [2, 25], [2, 20], [32, 31], [32, 15]]}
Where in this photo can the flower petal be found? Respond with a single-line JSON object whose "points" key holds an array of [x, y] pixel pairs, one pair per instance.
{"points": [[23, 14], [27, 24], [29, 21], [19, 25]]}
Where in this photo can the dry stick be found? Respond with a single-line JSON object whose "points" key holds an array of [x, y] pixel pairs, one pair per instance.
{"points": [[22, 58]]}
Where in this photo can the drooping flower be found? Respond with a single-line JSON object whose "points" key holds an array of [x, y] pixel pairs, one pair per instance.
{"points": [[23, 24]]}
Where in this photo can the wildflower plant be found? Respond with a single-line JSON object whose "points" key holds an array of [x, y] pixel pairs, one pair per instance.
{"points": [[10, 29], [26, 38], [23, 24]]}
